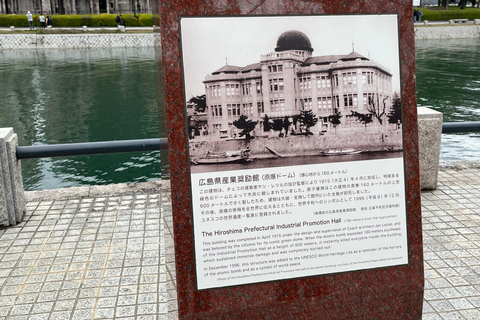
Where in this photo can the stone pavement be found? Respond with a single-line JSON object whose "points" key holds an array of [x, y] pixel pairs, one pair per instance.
{"points": [[451, 238], [95, 253]]}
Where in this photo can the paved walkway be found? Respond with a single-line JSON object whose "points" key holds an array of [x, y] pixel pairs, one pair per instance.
{"points": [[92, 253]]}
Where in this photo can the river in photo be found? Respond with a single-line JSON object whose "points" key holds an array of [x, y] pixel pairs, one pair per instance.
{"points": [[86, 95], [294, 161]]}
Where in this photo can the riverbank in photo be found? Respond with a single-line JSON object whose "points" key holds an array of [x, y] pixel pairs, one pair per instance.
{"points": [[301, 145]]}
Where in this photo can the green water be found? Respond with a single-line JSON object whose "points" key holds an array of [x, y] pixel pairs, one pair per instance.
{"points": [[64, 96], [448, 79]]}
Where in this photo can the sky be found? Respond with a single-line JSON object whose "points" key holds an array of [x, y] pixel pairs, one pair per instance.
{"points": [[208, 43]]}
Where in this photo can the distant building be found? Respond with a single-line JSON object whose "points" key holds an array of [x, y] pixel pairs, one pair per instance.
{"points": [[74, 6], [290, 80]]}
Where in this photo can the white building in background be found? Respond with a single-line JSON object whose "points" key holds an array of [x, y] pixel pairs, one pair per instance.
{"points": [[74, 6], [290, 80]]}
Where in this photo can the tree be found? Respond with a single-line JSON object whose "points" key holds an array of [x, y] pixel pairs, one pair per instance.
{"points": [[307, 119], [286, 125], [245, 125], [364, 118], [377, 108], [395, 115], [335, 118], [199, 103], [266, 124]]}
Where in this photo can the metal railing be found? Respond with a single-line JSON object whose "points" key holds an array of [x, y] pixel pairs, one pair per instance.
{"points": [[460, 127], [89, 148], [105, 147]]}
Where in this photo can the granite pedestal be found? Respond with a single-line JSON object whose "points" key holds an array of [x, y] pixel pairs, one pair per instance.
{"points": [[383, 293]]}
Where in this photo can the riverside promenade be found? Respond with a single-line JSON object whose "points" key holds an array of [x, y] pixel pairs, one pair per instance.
{"points": [[95, 252]]}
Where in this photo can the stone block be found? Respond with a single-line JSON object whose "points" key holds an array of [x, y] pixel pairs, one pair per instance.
{"points": [[476, 21], [12, 198], [12, 28], [7, 212], [429, 138], [16, 177]]}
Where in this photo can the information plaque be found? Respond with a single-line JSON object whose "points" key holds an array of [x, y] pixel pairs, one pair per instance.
{"points": [[296, 152], [293, 158]]}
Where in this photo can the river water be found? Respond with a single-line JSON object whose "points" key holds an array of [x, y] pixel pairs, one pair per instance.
{"points": [[448, 80], [64, 96]]}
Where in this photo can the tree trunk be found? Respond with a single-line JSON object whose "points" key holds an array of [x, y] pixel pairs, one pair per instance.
{"points": [[445, 4], [463, 4]]}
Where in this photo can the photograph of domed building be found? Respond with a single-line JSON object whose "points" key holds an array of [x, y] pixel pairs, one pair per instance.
{"points": [[291, 79], [283, 87]]}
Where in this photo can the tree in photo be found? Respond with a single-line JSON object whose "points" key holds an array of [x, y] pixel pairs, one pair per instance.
{"points": [[307, 120], [266, 124], [286, 125], [335, 118], [376, 107], [195, 105], [364, 118], [245, 125], [199, 103], [395, 115]]}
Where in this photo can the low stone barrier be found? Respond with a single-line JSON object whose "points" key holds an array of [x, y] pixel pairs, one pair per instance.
{"points": [[78, 41], [453, 32], [429, 140], [12, 197]]}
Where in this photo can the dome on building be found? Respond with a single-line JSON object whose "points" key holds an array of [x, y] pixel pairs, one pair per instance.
{"points": [[293, 40]]}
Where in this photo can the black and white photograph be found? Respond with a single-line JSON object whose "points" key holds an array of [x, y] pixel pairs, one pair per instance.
{"points": [[291, 90]]}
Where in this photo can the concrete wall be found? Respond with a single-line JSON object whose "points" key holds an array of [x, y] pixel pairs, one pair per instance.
{"points": [[453, 32], [77, 41]]}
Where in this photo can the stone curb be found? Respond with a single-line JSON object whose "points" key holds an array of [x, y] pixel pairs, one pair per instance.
{"points": [[95, 191]]}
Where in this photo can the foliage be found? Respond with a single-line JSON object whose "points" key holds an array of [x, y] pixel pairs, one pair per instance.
{"points": [[245, 125], [307, 120], [364, 118], [73, 20], [376, 107], [277, 124], [454, 12], [286, 124], [335, 118], [199, 103], [395, 115], [266, 124]]}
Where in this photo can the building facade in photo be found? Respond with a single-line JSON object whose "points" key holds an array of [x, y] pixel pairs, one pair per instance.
{"points": [[74, 6], [291, 80]]}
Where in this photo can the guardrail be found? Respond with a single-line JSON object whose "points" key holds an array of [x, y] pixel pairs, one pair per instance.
{"points": [[88, 148], [461, 127]]}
